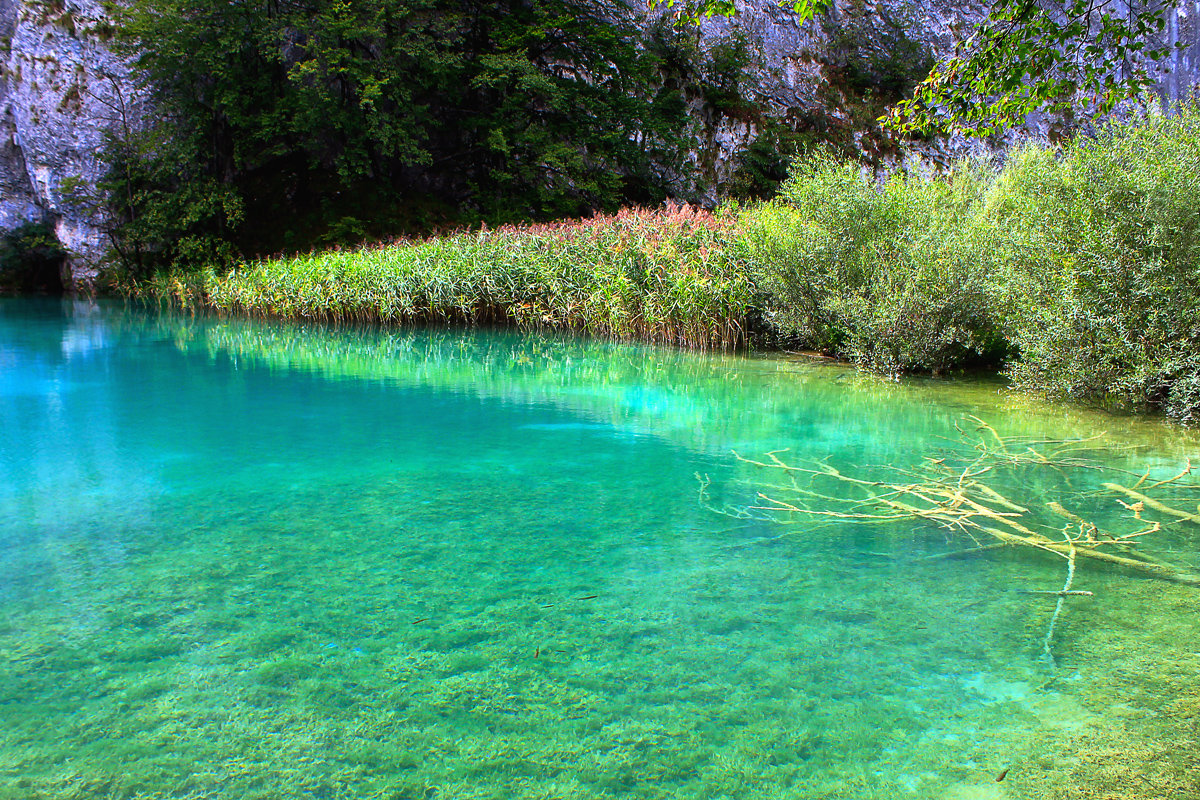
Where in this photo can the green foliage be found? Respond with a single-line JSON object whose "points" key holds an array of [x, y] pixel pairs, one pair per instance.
{"points": [[889, 277], [166, 209], [1058, 56], [695, 10], [31, 259], [1079, 268], [763, 165], [872, 56], [281, 123], [726, 73], [1104, 271], [667, 276], [1080, 265]]}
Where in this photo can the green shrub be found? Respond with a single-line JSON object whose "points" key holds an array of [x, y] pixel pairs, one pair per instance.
{"points": [[1082, 265], [892, 277], [31, 259], [1103, 273], [285, 126]]}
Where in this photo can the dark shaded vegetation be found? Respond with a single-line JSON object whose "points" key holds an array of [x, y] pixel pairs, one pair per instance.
{"points": [[287, 125], [872, 56], [31, 260]]}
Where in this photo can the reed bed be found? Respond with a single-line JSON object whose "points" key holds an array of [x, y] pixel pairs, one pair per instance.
{"points": [[666, 276]]}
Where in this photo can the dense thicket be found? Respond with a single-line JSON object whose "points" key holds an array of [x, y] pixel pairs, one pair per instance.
{"points": [[896, 277], [1077, 269], [1104, 276], [284, 123]]}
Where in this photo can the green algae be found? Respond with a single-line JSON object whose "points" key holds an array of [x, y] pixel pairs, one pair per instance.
{"points": [[453, 573]]}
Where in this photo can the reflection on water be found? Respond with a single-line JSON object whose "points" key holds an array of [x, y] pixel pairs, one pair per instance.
{"points": [[248, 560]]}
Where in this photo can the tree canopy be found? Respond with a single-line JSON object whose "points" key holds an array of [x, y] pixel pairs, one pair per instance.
{"points": [[287, 123]]}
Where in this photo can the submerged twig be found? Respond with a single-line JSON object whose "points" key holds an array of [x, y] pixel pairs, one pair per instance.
{"points": [[954, 498], [1048, 642], [950, 491], [1155, 504]]}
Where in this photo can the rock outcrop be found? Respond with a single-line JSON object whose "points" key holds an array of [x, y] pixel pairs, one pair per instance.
{"points": [[64, 90], [818, 76]]}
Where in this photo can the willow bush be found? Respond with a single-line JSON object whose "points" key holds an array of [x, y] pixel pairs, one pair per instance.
{"points": [[1103, 268], [1078, 268], [892, 277]]}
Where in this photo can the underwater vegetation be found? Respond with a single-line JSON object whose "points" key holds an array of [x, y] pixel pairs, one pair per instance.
{"points": [[250, 559]]}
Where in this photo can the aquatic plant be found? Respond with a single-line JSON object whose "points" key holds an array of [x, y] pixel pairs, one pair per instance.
{"points": [[1072, 269], [665, 276]]}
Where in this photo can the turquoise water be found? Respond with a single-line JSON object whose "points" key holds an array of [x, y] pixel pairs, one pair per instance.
{"points": [[253, 560]]}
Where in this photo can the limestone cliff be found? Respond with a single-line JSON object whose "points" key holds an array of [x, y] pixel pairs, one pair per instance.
{"points": [[812, 77], [62, 89]]}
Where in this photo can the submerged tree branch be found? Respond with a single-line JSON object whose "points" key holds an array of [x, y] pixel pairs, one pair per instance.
{"points": [[949, 492]]}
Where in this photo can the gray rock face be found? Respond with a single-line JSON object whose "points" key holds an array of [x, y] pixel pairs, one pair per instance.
{"points": [[799, 75], [17, 200], [803, 74], [63, 90], [1184, 64]]}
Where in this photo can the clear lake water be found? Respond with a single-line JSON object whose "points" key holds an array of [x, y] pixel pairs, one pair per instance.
{"points": [[247, 559]]}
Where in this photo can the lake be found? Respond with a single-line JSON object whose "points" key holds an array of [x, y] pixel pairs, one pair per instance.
{"points": [[245, 559]]}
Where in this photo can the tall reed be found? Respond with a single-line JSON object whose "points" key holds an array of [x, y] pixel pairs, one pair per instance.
{"points": [[664, 276]]}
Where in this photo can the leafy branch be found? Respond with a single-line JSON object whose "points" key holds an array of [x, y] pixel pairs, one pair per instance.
{"points": [[1039, 55]]}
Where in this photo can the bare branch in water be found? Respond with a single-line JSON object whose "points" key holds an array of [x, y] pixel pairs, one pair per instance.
{"points": [[949, 491]]}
